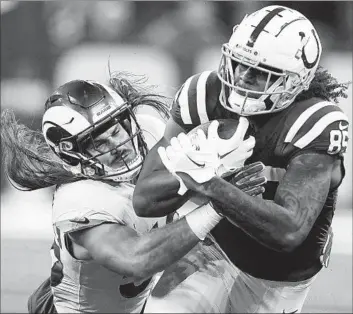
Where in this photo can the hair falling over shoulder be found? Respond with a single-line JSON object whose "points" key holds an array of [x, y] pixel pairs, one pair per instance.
{"points": [[28, 161], [325, 86]]}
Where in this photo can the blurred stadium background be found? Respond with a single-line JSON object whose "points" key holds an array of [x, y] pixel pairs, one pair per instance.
{"points": [[44, 44]]}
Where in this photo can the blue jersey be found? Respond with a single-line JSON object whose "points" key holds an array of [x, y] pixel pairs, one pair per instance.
{"points": [[312, 125]]}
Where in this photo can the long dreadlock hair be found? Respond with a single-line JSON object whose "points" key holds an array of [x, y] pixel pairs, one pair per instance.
{"points": [[29, 162], [324, 86]]}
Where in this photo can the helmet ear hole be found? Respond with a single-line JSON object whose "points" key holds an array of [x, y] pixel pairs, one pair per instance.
{"points": [[56, 134]]}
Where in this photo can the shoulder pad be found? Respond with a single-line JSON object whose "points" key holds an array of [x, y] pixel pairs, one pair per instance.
{"points": [[321, 126], [88, 203]]}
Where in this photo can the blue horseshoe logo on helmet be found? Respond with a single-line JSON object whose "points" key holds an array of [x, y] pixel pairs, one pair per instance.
{"points": [[308, 64]]}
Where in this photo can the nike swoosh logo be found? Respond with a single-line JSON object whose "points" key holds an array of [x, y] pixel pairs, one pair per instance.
{"points": [[226, 154], [81, 220], [290, 312], [196, 163], [343, 127]]}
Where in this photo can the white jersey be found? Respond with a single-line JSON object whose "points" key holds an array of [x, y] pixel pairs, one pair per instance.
{"points": [[85, 286]]}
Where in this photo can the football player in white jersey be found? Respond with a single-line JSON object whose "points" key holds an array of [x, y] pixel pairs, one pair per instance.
{"points": [[271, 250], [104, 256]]}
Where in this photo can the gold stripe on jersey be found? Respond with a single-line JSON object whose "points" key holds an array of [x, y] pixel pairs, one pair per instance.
{"points": [[319, 126], [303, 118], [201, 96], [184, 102]]}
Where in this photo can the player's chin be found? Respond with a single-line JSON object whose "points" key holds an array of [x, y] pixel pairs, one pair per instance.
{"points": [[121, 163]]}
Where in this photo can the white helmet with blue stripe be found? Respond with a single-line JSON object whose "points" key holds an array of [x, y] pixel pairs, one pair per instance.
{"points": [[278, 42]]}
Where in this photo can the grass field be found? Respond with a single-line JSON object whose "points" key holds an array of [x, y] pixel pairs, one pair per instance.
{"points": [[25, 261]]}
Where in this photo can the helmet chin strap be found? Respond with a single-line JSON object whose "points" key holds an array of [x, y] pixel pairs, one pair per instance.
{"points": [[240, 105], [127, 176]]}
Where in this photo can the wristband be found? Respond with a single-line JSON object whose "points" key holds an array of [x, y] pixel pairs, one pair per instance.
{"points": [[202, 220]]}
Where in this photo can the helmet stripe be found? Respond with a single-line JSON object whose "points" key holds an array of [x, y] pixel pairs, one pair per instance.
{"points": [[260, 27]]}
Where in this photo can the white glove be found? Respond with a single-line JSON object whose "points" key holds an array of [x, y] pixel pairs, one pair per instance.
{"points": [[180, 156], [234, 151]]}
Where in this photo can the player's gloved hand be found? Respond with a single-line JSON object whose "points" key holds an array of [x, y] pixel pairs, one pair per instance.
{"points": [[250, 178], [181, 157], [234, 151]]}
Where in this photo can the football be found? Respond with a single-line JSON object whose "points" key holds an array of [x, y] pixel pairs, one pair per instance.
{"points": [[226, 129]]}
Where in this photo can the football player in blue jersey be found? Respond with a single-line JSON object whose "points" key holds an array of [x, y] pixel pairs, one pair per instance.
{"points": [[92, 146], [269, 250]]}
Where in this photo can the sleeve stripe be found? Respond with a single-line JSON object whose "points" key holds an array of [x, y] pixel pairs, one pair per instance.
{"points": [[192, 94], [184, 102], [319, 126], [303, 118], [201, 96]]}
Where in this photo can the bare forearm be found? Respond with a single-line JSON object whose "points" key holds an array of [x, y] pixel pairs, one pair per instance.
{"points": [[157, 195], [265, 221], [284, 223], [158, 249]]}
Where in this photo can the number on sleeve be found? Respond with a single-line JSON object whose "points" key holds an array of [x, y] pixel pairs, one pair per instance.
{"points": [[338, 141]]}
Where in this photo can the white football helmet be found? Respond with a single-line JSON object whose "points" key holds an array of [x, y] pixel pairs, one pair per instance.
{"points": [[79, 111], [279, 42]]}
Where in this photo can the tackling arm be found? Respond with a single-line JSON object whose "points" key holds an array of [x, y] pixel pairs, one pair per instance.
{"points": [[285, 223], [120, 249]]}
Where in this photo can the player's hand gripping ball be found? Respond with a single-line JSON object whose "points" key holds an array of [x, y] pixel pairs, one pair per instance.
{"points": [[230, 139], [216, 148]]}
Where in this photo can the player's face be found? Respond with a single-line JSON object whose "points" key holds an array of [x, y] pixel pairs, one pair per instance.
{"points": [[108, 143], [251, 79]]}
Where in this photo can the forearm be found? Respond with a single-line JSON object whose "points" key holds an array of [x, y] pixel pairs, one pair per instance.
{"points": [[155, 251], [157, 195], [122, 250], [265, 221]]}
